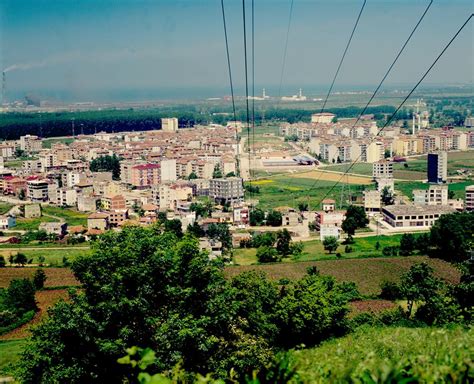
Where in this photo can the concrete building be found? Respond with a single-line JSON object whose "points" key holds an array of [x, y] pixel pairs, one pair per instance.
{"points": [[168, 170], [113, 202], [117, 217], [169, 124], [331, 218], [30, 143], [372, 201], [98, 220], [87, 203], [145, 175], [328, 205], [30, 211], [327, 230], [434, 195], [382, 183], [469, 199], [54, 228], [37, 190], [227, 190], [322, 118], [382, 169], [167, 196], [66, 197], [414, 216], [437, 167]]}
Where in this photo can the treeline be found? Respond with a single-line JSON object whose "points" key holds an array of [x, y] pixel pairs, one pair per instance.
{"points": [[13, 125]]}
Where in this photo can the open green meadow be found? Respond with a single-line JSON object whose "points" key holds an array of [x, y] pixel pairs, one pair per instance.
{"points": [[407, 187], [47, 143], [70, 216], [287, 191], [9, 353], [391, 354], [52, 257], [314, 250], [5, 207], [32, 224]]}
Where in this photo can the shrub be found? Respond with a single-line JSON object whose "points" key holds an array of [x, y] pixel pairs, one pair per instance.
{"points": [[267, 255], [348, 249], [39, 279], [390, 291]]}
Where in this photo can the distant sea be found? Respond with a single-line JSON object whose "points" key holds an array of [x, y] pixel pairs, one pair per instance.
{"points": [[187, 93]]}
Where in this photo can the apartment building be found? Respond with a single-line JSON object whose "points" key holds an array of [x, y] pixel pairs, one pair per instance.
{"points": [[37, 190], [167, 196], [145, 175], [469, 198], [382, 169], [372, 201], [30, 143], [66, 197], [434, 195], [437, 167], [169, 124], [227, 190], [113, 202]]}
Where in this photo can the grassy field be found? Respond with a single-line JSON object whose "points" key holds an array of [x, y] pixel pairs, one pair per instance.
{"points": [[313, 250], [32, 224], [71, 217], [367, 273], [9, 353], [407, 187], [53, 257], [5, 207], [285, 190], [47, 143], [56, 277], [431, 355]]}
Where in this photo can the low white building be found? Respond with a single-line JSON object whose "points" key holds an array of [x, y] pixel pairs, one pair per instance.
{"points": [[329, 230], [414, 216], [7, 221]]}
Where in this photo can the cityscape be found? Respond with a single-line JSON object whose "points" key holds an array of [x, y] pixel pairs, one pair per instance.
{"points": [[241, 233]]}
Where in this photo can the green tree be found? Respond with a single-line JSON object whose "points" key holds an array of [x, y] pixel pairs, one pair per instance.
{"points": [[143, 287], [21, 194], [407, 244], [267, 255], [418, 285], [422, 243], [174, 226], [196, 230], [20, 295], [330, 244], [41, 260], [3, 262], [192, 176], [274, 218], [302, 206], [220, 232], [387, 196], [355, 218], [283, 242], [20, 259], [310, 310], [296, 248], [451, 194], [256, 217], [39, 278], [266, 239], [451, 236], [230, 174], [217, 174], [106, 164]]}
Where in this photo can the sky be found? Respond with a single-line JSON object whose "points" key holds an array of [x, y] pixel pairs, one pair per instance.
{"points": [[85, 46]]}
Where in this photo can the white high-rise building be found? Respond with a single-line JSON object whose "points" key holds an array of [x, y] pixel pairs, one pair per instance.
{"points": [[169, 124]]}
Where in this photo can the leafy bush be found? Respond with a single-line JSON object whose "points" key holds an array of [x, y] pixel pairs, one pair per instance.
{"points": [[390, 291], [14, 321], [267, 255]]}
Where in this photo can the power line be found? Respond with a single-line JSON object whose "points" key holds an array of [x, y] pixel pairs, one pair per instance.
{"points": [[404, 101], [286, 49], [246, 86], [343, 56], [228, 60], [384, 77], [253, 76]]}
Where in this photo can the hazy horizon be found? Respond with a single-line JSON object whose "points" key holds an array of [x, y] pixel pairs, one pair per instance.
{"points": [[93, 50]]}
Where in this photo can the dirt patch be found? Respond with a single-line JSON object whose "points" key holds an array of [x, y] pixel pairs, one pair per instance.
{"points": [[55, 277], [373, 306], [367, 273]]}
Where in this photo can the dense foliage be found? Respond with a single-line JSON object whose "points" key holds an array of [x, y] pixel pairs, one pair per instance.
{"points": [[107, 164], [17, 304], [147, 288]]}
